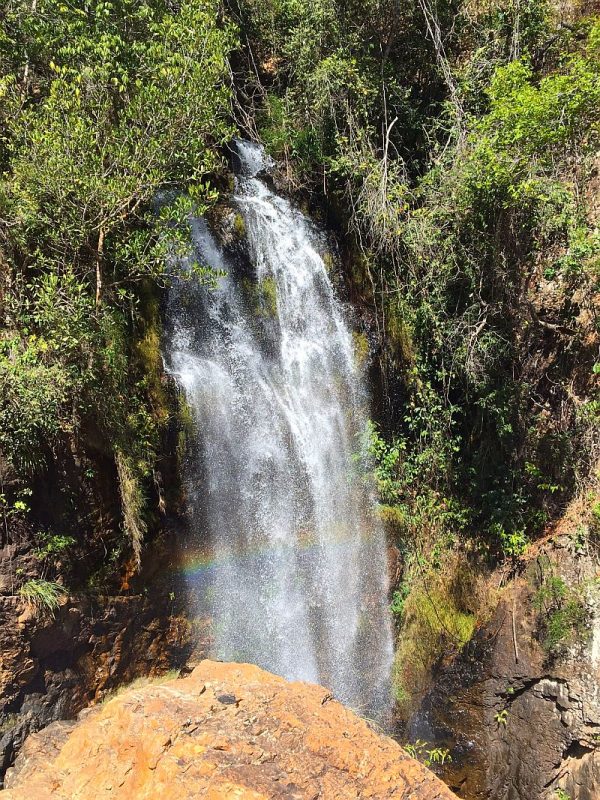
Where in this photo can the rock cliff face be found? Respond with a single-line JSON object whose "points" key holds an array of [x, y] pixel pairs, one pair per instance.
{"points": [[52, 666], [226, 731], [113, 624], [527, 724]]}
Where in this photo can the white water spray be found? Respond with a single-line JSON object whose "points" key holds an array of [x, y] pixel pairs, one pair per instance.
{"points": [[297, 576]]}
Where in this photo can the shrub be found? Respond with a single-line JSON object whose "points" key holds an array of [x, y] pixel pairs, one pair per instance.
{"points": [[117, 102], [399, 599], [513, 543], [563, 615], [53, 544], [563, 623]]}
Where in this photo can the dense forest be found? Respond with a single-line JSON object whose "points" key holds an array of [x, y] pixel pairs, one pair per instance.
{"points": [[452, 148]]}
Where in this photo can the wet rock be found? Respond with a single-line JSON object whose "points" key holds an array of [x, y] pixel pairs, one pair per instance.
{"points": [[518, 723], [179, 740]]}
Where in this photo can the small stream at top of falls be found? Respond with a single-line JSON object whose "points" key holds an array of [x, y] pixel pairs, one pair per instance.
{"points": [[294, 576]]}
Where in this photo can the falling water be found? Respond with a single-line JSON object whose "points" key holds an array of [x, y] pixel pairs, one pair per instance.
{"points": [[295, 579]]}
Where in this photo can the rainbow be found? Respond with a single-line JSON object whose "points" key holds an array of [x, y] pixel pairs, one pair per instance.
{"points": [[197, 563]]}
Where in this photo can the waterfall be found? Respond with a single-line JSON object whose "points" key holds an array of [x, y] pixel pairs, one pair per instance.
{"points": [[294, 576]]}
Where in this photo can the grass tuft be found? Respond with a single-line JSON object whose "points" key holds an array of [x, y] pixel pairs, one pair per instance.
{"points": [[42, 595]]}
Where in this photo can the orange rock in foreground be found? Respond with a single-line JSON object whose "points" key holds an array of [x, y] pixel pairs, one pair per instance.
{"points": [[226, 732]]}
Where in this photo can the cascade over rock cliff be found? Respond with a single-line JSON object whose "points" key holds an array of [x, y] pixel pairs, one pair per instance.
{"points": [[225, 731]]}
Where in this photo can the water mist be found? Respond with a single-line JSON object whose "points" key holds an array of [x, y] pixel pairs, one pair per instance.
{"points": [[295, 576]]}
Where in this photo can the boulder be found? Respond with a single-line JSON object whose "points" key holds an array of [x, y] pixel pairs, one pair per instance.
{"points": [[226, 731]]}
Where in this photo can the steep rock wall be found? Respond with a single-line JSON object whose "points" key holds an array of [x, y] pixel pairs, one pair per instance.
{"points": [[52, 666], [523, 723]]}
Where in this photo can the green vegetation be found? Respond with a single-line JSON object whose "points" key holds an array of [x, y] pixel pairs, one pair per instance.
{"points": [[431, 620], [463, 168], [103, 107], [457, 143], [501, 717], [262, 297], [361, 349], [8, 721], [513, 544], [52, 545], [42, 595], [452, 144], [428, 755], [239, 226], [596, 515], [563, 617]]}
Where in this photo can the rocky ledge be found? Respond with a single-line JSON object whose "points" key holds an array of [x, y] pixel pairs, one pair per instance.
{"points": [[226, 731]]}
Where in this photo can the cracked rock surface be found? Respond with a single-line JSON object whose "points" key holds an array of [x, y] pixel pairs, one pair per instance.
{"points": [[227, 731], [521, 725]]}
